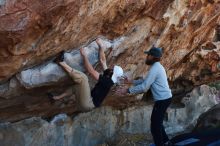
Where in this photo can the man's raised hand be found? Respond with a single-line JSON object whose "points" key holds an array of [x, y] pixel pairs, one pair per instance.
{"points": [[121, 90]]}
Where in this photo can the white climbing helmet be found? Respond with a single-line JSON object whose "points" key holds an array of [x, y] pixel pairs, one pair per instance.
{"points": [[117, 73]]}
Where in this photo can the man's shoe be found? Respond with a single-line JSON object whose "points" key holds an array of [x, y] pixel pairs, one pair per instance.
{"points": [[60, 57]]}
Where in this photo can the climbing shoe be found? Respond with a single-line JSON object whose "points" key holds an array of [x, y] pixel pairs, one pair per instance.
{"points": [[50, 97], [60, 57]]}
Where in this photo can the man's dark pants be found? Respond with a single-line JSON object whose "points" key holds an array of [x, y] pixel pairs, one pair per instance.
{"points": [[157, 130]]}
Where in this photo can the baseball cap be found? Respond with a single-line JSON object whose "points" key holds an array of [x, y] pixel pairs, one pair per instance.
{"points": [[156, 52], [117, 72]]}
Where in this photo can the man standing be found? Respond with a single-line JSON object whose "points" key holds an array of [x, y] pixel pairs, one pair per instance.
{"points": [[156, 80]]}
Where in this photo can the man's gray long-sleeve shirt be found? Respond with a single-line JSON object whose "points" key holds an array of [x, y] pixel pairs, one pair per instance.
{"points": [[156, 79]]}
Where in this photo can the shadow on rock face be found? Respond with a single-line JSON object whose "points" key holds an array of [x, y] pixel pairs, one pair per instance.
{"points": [[209, 119]]}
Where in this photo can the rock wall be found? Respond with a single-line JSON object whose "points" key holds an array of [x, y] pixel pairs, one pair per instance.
{"points": [[33, 32], [104, 124]]}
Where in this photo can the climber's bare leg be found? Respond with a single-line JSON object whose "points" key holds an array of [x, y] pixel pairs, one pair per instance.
{"points": [[67, 92], [66, 67]]}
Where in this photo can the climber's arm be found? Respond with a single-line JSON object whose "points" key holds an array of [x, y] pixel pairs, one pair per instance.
{"points": [[102, 57], [88, 65]]}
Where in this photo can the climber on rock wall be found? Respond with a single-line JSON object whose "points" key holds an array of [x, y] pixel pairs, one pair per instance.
{"points": [[88, 99], [156, 80]]}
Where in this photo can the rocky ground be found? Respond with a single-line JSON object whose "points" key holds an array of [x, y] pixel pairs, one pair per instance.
{"points": [[130, 140]]}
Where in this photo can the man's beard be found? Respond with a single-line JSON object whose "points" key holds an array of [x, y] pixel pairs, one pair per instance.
{"points": [[149, 62]]}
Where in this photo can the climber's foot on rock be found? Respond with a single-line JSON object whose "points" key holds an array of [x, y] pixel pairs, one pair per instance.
{"points": [[51, 97], [60, 58]]}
